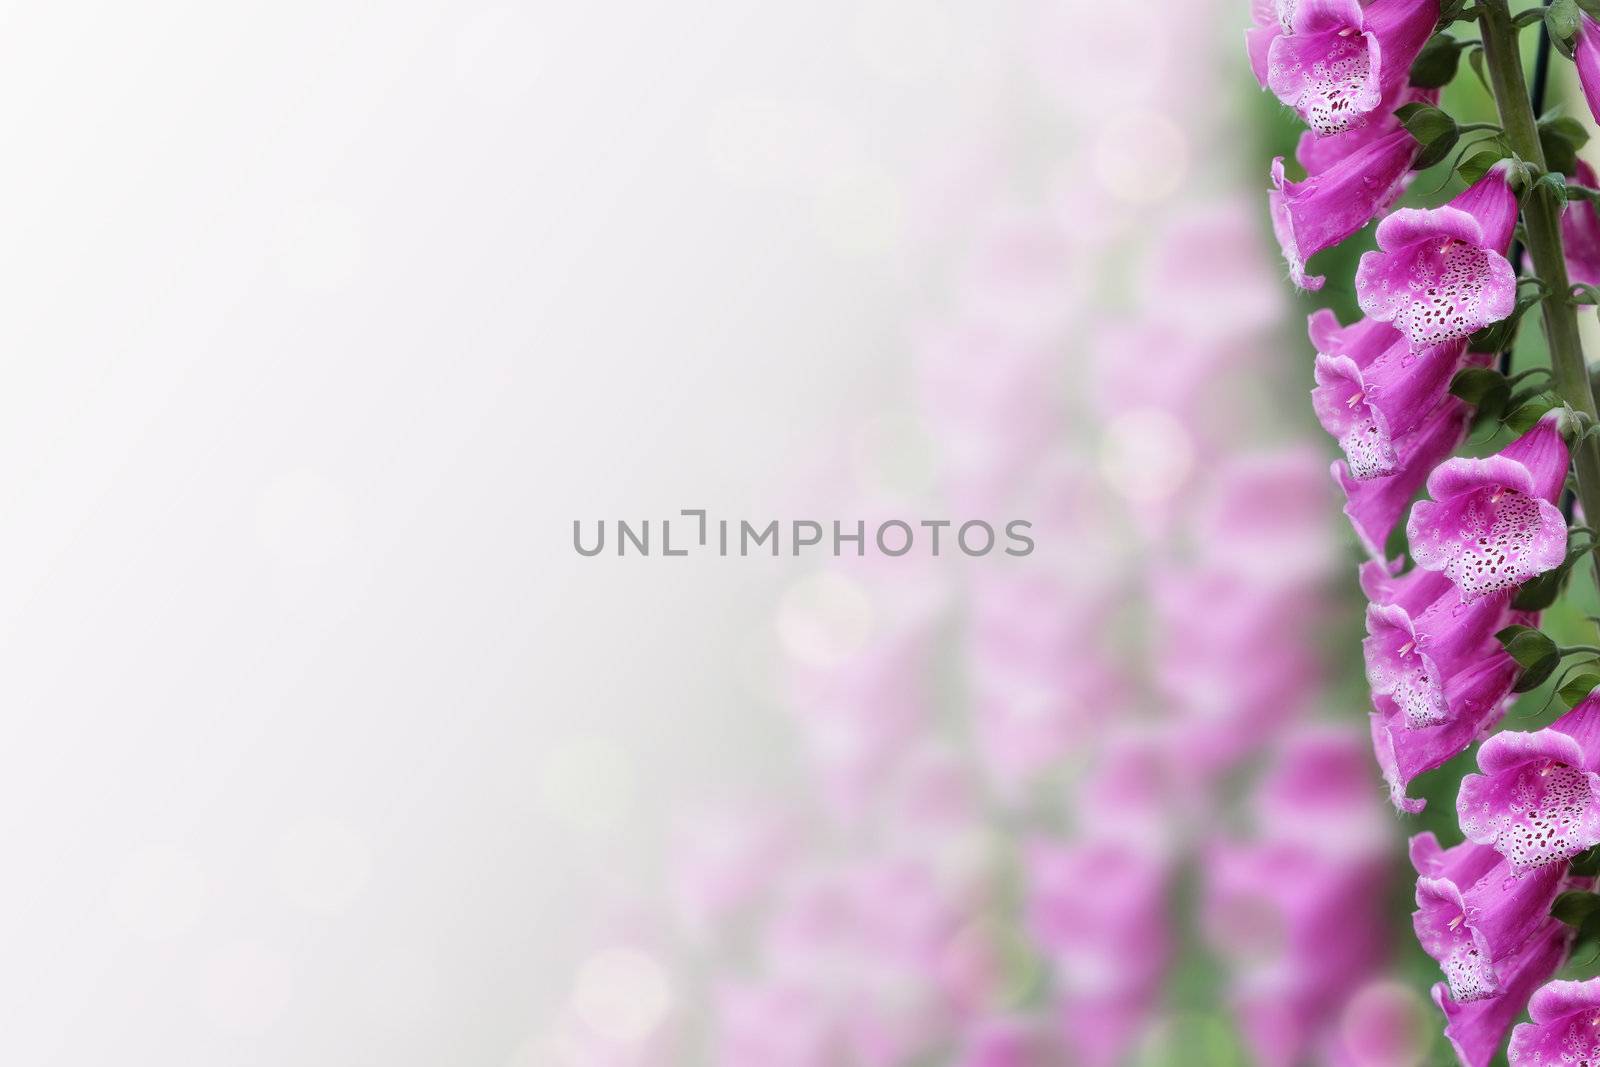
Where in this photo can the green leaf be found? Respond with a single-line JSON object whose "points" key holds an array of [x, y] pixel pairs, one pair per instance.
{"points": [[1573, 693], [1535, 676], [1561, 18], [1434, 130], [1590, 8], [1561, 137], [1539, 593], [1475, 59], [1536, 654], [1479, 163], [1424, 121], [1474, 384], [1526, 645], [1586, 864], [1574, 906], [1523, 418], [1436, 66]]}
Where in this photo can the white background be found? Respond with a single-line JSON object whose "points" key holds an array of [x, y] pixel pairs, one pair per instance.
{"points": [[319, 323]]}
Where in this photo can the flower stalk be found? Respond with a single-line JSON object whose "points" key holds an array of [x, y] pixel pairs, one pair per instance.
{"points": [[1542, 224]]}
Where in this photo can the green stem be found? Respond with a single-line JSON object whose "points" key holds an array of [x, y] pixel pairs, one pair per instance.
{"points": [[1542, 220]]}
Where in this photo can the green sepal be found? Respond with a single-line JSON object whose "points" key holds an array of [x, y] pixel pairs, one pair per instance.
{"points": [[1479, 163], [1561, 19], [1536, 654], [1561, 136], [1575, 906], [1578, 689], [1525, 417], [1436, 65], [1434, 130]]}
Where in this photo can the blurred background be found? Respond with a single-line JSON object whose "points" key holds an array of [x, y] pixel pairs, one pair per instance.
{"points": [[325, 322]]}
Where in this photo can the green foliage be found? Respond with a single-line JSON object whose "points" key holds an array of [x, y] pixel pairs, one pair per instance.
{"points": [[1434, 130], [1536, 654], [1561, 20], [1574, 908], [1578, 689], [1437, 64], [1561, 137]]}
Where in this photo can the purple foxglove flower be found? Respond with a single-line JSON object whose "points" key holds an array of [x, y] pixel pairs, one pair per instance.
{"points": [[1538, 799], [1564, 1026], [1462, 864], [1587, 57], [1362, 342], [1474, 930], [1319, 212], [1413, 591], [1374, 505], [1477, 1028], [1477, 699], [1493, 203], [1338, 60], [1271, 21], [1437, 274], [1299, 929], [1410, 659], [1317, 154], [1367, 410], [1098, 911], [1580, 233], [1492, 523]]}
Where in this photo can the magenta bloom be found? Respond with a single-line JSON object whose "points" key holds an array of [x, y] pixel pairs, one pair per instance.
{"points": [[1334, 61], [1319, 212], [1374, 505], [1317, 154], [1410, 660], [1475, 926], [1368, 410], [1382, 583], [1477, 699], [1587, 57], [1437, 275], [1477, 1027], [1538, 799], [1580, 232], [1492, 202], [1493, 523], [1362, 342], [1565, 1026]]}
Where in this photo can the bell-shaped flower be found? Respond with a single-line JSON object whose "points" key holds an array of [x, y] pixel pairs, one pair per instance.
{"points": [[1375, 505], [1368, 410], [1384, 584], [1476, 1028], [1580, 232], [1586, 55], [1564, 1026], [1316, 154], [1462, 864], [1410, 659], [1474, 930], [1337, 60], [1271, 20], [1537, 800], [1362, 342], [1437, 275], [1492, 523], [1477, 699], [1493, 202], [1319, 212]]}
